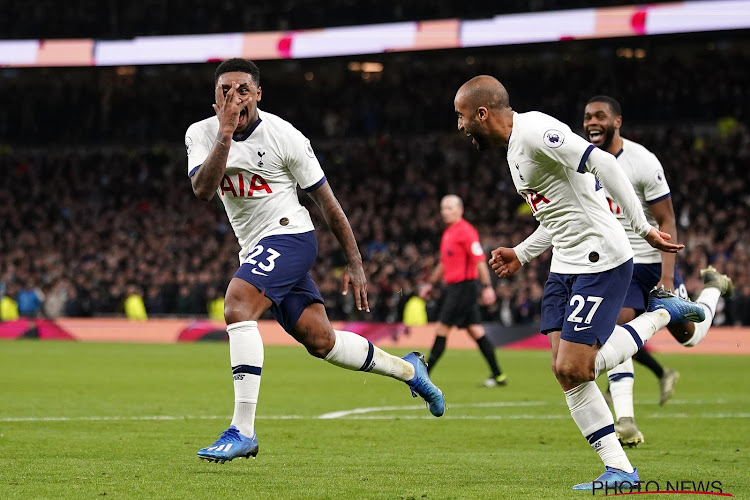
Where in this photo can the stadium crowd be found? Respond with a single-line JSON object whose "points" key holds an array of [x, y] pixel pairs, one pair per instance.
{"points": [[96, 206], [413, 94], [85, 229]]}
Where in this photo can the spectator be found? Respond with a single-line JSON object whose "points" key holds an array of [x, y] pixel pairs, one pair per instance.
{"points": [[135, 309], [29, 301], [8, 306]]}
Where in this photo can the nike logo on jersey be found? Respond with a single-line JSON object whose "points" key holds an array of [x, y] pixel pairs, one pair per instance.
{"points": [[255, 271], [582, 328]]}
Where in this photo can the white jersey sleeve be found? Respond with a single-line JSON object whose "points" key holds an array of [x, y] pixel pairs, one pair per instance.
{"points": [[645, 173], [533, 246], [301, 160], [563, 146], [197, 145], [614, 180], [652, 183]]}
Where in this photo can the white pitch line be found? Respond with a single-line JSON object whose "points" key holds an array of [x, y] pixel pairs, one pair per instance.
{"points": [[345, 413], [134, 418], [362, 415], [542, 417], [498, 404]]}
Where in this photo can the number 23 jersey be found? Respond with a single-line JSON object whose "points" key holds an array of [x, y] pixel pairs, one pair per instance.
{"points": [[264, 167]]}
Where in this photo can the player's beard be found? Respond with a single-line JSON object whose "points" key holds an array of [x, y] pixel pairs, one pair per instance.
{"points": [[482, 143], [480, 140], [609, 135]]}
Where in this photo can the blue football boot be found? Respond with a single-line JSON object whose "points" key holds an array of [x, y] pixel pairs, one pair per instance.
{"points": [[422, 385], [230, 445], [611, 479], [680, 310]]}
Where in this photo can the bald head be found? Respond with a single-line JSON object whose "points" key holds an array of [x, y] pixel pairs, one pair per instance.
{"points": [[451, 209], [452, 199], [483, 91]]}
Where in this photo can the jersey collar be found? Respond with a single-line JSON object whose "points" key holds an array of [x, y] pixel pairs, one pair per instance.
{"points": [[249, 131]]}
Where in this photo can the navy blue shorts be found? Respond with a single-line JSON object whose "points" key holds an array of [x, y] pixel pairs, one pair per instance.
{"points": [[645, 278], [585, 307], [279, 266]]}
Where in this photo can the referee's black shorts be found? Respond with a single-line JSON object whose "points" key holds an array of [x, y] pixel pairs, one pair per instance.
{"points": [[460, 307]]}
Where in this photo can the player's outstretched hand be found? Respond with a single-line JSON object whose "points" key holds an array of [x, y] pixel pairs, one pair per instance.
{"points": [[354, 274], [504, 262], [228, 108], [658, 239]]}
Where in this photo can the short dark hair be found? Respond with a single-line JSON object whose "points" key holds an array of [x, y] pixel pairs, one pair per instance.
{"points": [[240, 65], [613, 104]]}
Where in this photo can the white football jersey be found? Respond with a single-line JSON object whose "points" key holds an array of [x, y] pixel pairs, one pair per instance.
{"points": [[548, 164], [259, 188], [645, 173]]}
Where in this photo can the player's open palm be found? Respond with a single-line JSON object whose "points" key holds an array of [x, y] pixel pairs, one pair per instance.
{"points": [[504, 262], [228, 108], [658, 239], [354, 275]]}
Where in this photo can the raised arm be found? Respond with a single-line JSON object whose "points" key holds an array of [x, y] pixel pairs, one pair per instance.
{"points": [[336, 219], [611, 176], [206, 178]]}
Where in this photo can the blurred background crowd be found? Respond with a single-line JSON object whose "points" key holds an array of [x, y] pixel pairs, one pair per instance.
{"points": [[96, 205]]}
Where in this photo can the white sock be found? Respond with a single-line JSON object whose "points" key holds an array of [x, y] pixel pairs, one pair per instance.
{"points": [[708, 299], [246, 355], [354, 352], [628, 338], [621, 380], [590, 412]]}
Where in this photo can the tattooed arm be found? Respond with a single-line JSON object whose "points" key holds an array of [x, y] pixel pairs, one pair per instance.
{"points": [[336, 219], [207, 178]]}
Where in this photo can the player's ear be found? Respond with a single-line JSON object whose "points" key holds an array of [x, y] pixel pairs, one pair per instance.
{"points": [[260, 93], [482, 113], [618, 122]]}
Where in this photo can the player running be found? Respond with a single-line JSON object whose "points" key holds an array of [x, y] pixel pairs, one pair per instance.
{"points": [[592, 261], [254, 161], [602, 120]]}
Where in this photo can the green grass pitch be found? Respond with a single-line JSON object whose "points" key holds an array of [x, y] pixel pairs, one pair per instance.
{"points": [[81, 420]]}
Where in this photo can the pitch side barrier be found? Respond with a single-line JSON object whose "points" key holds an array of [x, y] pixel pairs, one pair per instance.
{"points": [[720, 340]]}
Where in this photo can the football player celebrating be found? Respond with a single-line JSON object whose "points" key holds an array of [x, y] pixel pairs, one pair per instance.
{"points": [[592, 261], [254, 160]]}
